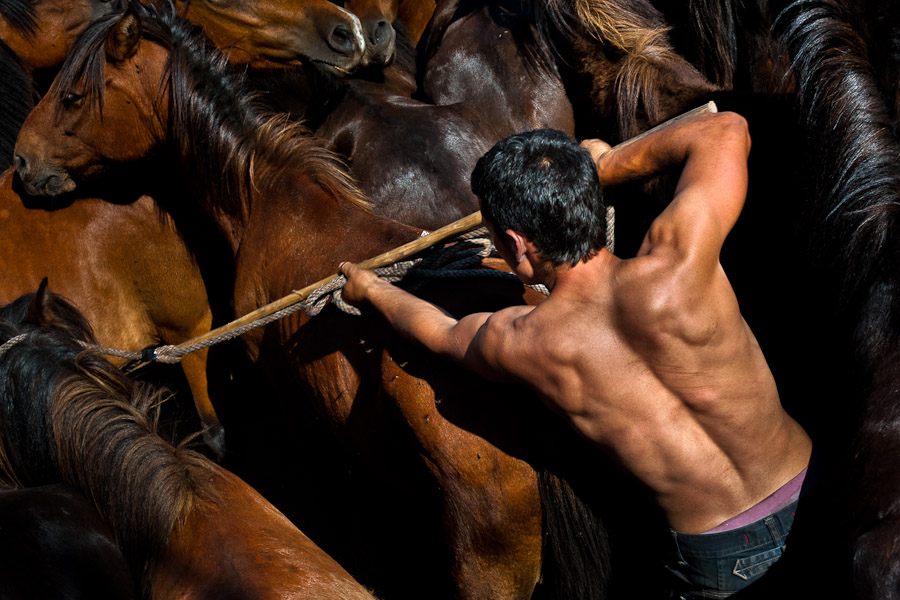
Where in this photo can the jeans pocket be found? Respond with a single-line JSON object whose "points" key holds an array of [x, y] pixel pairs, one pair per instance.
{"points": [[751, 567]]}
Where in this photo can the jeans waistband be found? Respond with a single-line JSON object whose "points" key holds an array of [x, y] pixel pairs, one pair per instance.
{"points": [[772, 528]]}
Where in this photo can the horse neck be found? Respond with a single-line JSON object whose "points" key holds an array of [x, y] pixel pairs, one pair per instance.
{"points": [[317, 227]]}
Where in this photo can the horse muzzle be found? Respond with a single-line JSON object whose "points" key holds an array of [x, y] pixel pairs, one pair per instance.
{"points": [[42, 181]]}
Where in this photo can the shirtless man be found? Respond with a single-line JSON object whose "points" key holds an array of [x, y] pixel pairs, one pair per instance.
{"points": [[648, 357]]}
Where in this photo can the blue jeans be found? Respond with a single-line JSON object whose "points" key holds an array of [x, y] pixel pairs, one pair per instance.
{"points": [[716, 565]]}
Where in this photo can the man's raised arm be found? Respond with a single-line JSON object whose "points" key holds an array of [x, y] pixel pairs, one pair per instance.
{"points": [[712, 151]]}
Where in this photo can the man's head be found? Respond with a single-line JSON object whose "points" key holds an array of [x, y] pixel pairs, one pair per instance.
{"points": [[544, 185]]}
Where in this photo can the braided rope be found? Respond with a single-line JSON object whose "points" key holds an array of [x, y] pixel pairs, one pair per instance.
{"points": [[611, 228], [459, 259], [11, 342], [450, 261]]}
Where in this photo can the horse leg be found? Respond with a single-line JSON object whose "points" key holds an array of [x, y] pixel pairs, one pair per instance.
{"points": [[194, 367]]}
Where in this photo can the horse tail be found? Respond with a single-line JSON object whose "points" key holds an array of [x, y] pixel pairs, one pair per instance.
{"points": [[576, 557]]}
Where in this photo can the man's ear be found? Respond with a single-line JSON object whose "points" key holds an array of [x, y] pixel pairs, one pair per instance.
{"points": [[519, 243]]}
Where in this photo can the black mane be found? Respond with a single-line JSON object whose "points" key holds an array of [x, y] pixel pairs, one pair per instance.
{"points": [[855, 178], [19, 14], [69, 416], [16, 101]]}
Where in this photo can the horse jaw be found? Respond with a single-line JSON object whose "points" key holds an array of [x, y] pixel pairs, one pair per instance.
{"points": [[270, 34]]}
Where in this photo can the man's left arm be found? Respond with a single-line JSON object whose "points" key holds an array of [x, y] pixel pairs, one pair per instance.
{"points": [[462, 340]]}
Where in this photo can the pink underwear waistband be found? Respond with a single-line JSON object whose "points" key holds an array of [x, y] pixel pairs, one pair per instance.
{"points": [[783, 496]]}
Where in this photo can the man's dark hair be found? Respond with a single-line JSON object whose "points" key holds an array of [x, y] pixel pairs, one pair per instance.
{"points": [[545, 185]]}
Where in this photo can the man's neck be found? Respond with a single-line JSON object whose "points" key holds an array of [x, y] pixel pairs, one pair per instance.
{"points": [[567, 276]]}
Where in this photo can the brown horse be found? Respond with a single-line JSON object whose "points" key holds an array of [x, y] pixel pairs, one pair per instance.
{"points": [[467, 509], [188, 528], [281, 33], [124, 264]]}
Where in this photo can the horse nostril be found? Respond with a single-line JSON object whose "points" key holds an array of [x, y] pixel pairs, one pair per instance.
{"points": [[381, 33], [341, 40], [21, 164]]}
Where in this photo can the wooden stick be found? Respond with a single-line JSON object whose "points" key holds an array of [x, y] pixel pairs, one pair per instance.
{"points": [[399, 253]]}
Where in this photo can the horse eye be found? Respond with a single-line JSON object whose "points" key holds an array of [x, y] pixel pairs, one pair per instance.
{"points": [[71, 98]]}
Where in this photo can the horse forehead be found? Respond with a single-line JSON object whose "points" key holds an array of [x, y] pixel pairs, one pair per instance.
{"points": [[269, 12]]}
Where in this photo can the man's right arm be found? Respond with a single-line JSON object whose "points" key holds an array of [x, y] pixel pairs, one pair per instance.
{"points": [[712, 150]]}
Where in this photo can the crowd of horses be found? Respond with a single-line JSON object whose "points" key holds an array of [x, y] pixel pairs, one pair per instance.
{"points": [[172, 165]]}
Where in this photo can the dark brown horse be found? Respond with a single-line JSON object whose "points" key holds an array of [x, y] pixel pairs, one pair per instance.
{"points": [[188, 528], [466, 510], [411, 158], [525, 62], [55, 546], [851, 223]]}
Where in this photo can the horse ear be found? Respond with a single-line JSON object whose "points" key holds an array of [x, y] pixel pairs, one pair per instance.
{"points": [[123, 38], [40, 311]]}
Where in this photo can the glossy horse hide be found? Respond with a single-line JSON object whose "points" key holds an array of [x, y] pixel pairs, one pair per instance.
{"points": [[127, 267], [415, 15], [56, 547], [411, 158], [277, 34], [490, 56], [187, 527], [454, 453]]}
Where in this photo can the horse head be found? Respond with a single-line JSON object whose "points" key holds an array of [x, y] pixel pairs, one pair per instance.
{"points": [[281, 33], [91, 117]]}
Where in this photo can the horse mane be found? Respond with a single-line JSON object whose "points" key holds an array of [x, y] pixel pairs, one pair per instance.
{"points": [[634, 28], [849, 129], [632, 36], [69, 415], [713, 36], [222, 132], [16, 101], [20, 14]]}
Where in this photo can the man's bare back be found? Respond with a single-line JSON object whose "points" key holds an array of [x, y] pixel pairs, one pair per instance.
{"points": [[679, 392], [649, 356]]}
